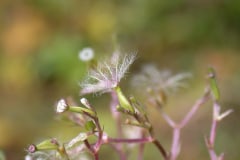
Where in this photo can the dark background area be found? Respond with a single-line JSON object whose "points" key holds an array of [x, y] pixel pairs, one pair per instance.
{"points": [[39, 45]]}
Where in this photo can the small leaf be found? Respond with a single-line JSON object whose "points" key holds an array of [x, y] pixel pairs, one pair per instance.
{"points": [[82, 110], [90, 126], [50, 144]]}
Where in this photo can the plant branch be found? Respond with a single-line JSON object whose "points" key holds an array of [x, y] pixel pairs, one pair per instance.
{"points": [[175, 148], [194, 108], [160, 148], [134, 140], [212, 137]]}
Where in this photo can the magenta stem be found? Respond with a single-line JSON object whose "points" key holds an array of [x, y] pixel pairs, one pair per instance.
{"points": [[136, 140]]}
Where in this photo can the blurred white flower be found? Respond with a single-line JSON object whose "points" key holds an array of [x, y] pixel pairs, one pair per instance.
{"points": [[42, 156], [107, 74], [158, 84], [157, 80], [86, 54], [28, 157], [62, 106]]}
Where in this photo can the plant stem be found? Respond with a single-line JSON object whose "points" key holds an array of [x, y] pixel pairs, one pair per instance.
{"points": [[135, 140], [213, 133], [96, 157], [175, 149], [211, 141], [100, 134], [160, 148], [117, 117], [194, 108], [141, 140]]}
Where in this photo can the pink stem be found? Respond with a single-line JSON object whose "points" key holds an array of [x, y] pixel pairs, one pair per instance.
{"points": [[213, 133], [193, 110], [175, 143], [135, 140], [141, 140], [177, 127]]}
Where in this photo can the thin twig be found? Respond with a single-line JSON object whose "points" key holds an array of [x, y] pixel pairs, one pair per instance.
{"points": [[175, 148], [134, 140], [161, 149], [194, 108]]}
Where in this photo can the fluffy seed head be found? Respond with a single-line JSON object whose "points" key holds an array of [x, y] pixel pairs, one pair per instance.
{"points": [[108, 74], [159, 81]]}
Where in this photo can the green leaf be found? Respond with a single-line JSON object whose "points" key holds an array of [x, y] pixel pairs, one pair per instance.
{"points": [[90, 126], [213, 83], [82, 110], [50, 144], [124, 103]]}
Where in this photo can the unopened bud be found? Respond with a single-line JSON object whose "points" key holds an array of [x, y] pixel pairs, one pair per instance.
{"points": [[62, 106], [85, 102], [32, 148]]}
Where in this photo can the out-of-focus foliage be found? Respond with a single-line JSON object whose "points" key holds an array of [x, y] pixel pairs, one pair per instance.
{"points": [[40, 41]]}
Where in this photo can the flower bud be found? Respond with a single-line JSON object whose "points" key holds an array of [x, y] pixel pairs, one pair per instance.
{"points": [[85, 102], [50, 144], [62, 106]]}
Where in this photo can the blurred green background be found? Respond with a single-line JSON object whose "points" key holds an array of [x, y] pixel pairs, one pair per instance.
{"points": [[39, 45]]}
